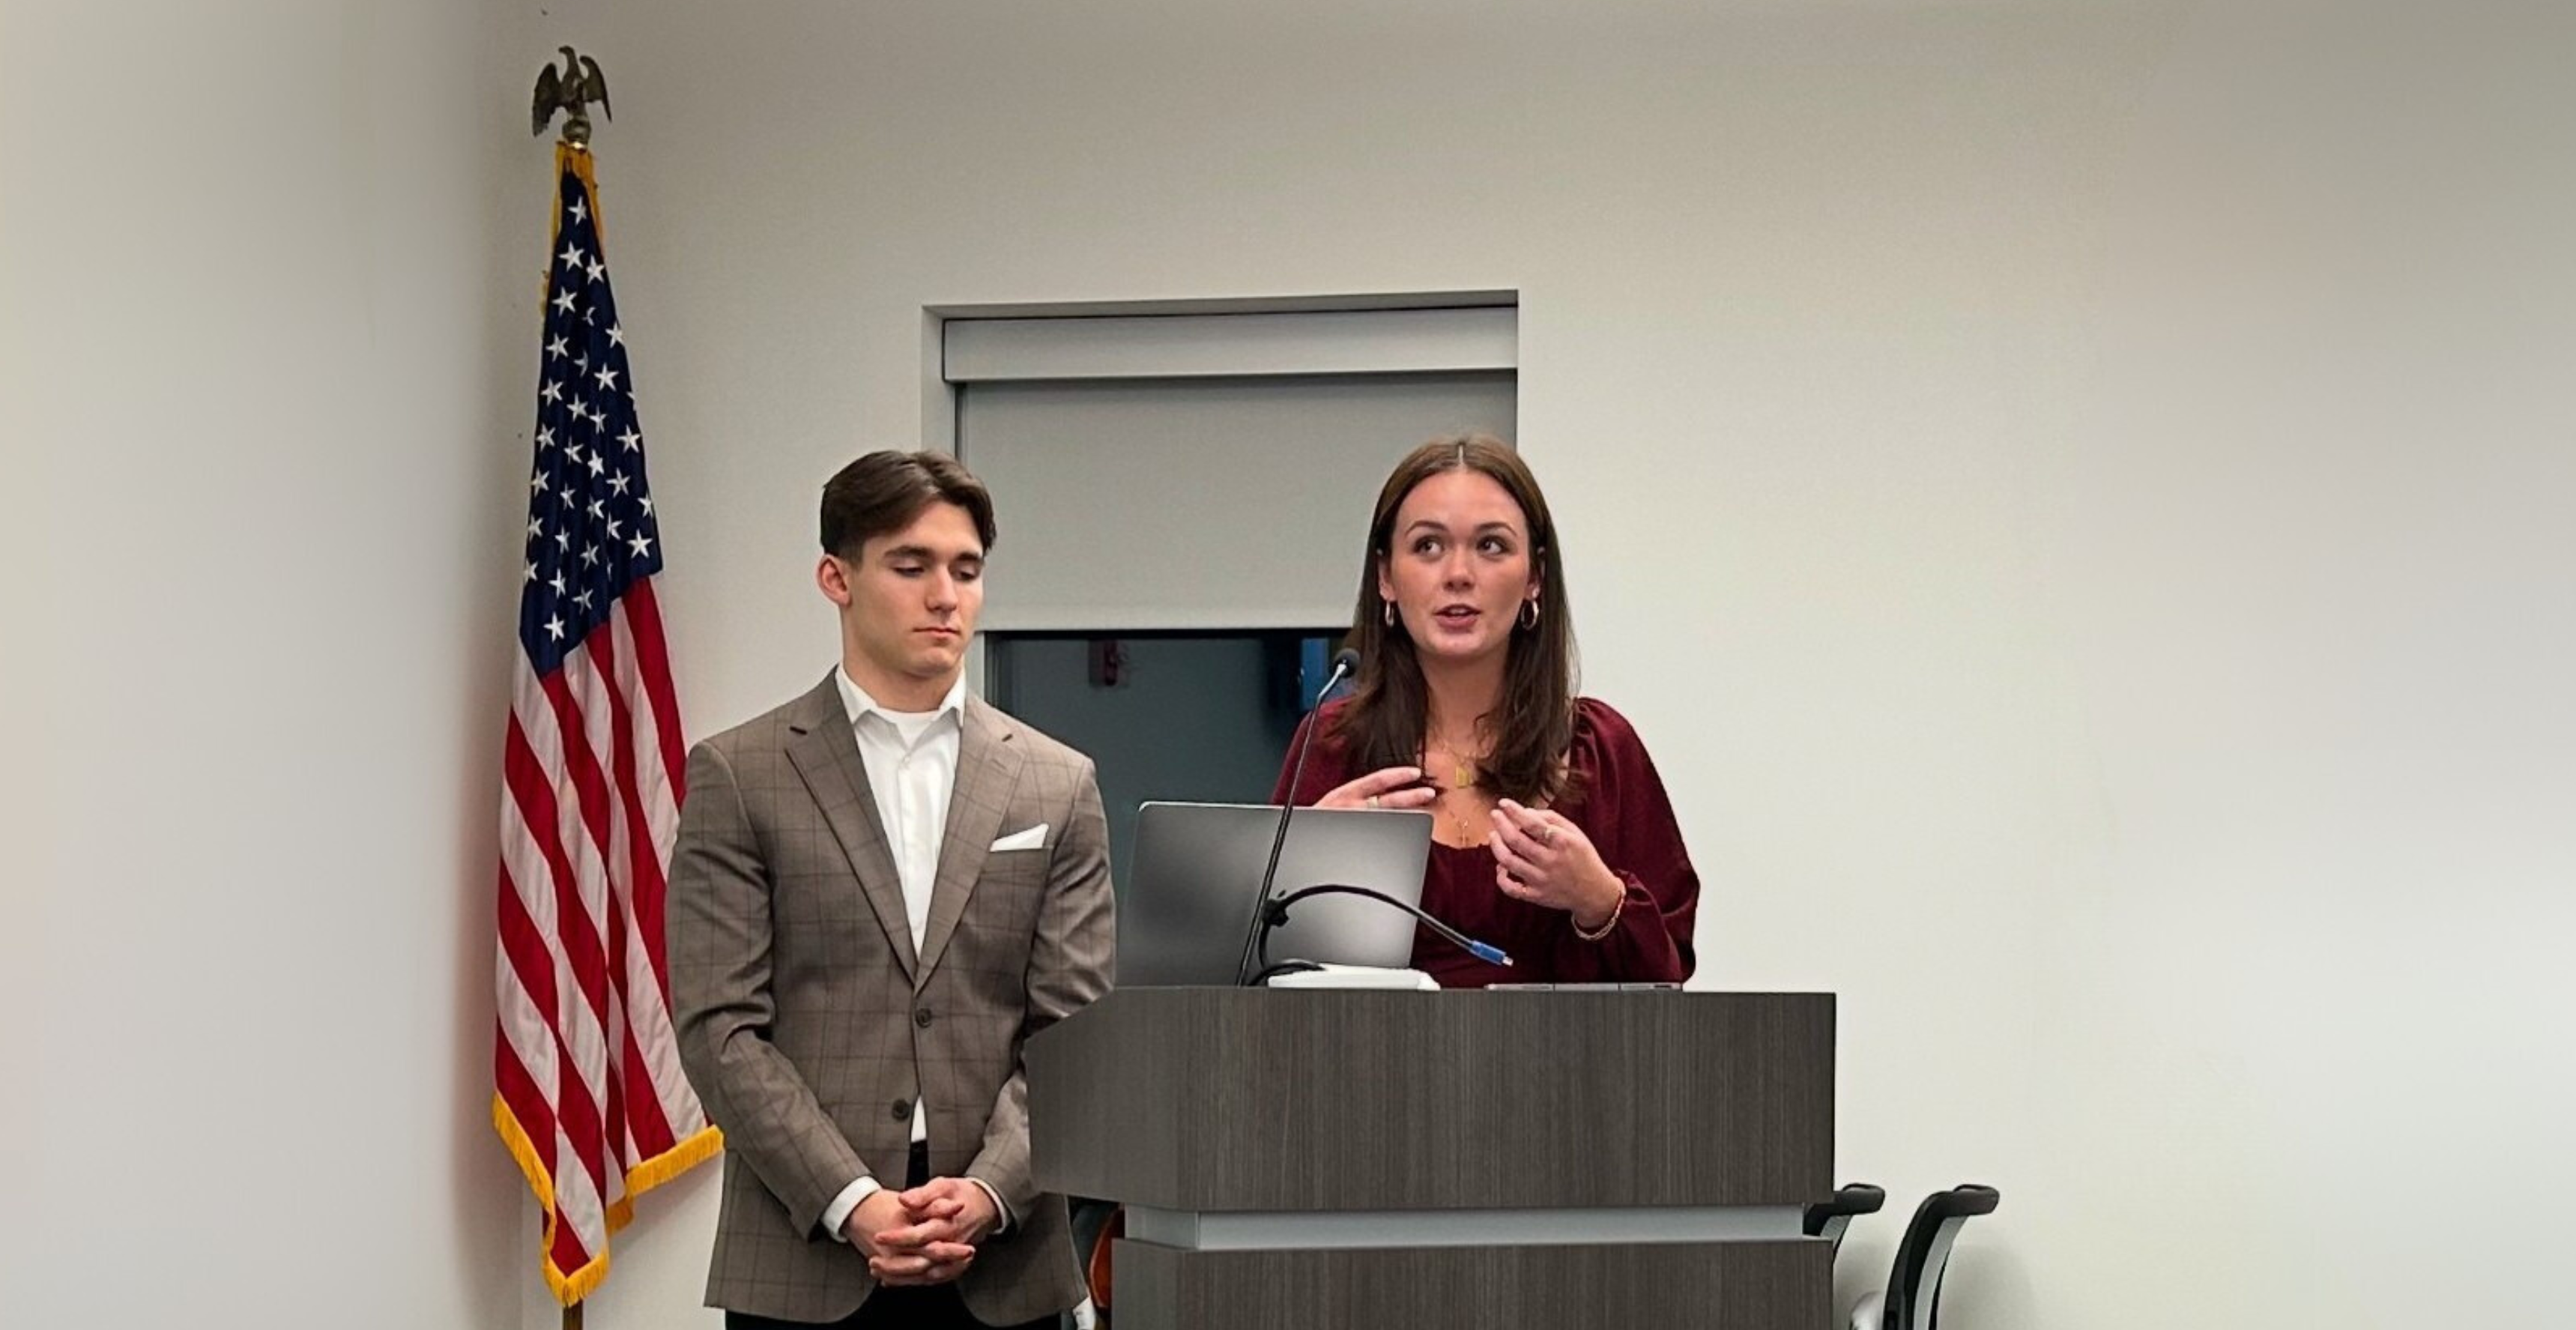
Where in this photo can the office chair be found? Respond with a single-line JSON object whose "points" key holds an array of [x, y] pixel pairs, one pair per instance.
{"points": [[1096, 1224], [1913, 1297], [1829, 1219]]}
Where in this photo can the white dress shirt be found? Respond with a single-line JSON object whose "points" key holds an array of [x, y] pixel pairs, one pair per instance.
{"points": [[911, 761]]}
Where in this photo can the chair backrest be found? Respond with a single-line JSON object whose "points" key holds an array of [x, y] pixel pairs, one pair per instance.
{"points": [[1914, 1286], [1828, 1219]]}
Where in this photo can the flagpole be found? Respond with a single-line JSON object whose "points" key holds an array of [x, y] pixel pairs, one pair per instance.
{"points": [[623, 1119], [576, 136], [572, 92]]}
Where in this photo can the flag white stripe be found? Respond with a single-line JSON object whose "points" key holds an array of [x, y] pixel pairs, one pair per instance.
{"points": [[618, 1136], [584, 1041], [593, 867], [645, 1015], [590, 707], [648, 1017], [532, 1037], [654, 1037], [576, 1199], [524, 1028], [652, 779]]}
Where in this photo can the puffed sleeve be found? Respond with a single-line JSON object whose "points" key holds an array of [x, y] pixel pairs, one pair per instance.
{"points": [[1630, 820]]}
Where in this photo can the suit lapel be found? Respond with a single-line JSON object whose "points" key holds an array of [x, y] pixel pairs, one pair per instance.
{"points": [[826, 756], [988, 768]]}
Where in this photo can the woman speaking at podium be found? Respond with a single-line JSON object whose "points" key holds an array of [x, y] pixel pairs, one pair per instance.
{"points": [[1552, 837]]}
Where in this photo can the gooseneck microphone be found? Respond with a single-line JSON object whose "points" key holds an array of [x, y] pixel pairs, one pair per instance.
{"points": [[1275, 913], [1268, 913], [1345, 663]]}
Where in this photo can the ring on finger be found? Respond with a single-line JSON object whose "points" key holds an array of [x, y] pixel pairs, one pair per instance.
{"points": [[1372, 801]]}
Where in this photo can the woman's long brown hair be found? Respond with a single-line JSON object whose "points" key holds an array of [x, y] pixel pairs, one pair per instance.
{"points": [[1531, 728]]}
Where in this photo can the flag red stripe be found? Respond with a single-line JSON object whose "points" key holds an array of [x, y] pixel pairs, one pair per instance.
{"points": [[525, 775], [653, 665], [530, 962], [643, 856], [636, 1106], [569, 1254], [601, 650], [578, 1114], [529, 1108], [646, 887], [653, 767], [573, 932], [581, 941], [616, 1157], [576, 1110], [644, 1116], [528, 1105]]}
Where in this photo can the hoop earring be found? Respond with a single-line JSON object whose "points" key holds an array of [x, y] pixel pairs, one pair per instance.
{"points": [[1386, 611], [1529, 618]]}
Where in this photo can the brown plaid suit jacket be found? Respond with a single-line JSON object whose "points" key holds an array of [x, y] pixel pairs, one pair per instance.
{"points": [[809, 1026]]}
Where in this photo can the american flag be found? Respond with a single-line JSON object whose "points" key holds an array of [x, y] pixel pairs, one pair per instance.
{"points": [[589, 1095]]}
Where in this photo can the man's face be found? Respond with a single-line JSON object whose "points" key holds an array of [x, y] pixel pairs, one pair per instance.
{"points": [[908, 606]]}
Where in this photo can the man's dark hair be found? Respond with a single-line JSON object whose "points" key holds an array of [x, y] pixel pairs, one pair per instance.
{"points": [[883, 493]]}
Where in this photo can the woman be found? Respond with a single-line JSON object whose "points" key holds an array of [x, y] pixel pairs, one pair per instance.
{"points": [[1552, 837]]}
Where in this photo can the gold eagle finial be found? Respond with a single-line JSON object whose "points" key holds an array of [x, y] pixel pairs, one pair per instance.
{"points": [[572, 88]]}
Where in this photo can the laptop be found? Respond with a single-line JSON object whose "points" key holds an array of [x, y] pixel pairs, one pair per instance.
{"points": [[1189, 905]]}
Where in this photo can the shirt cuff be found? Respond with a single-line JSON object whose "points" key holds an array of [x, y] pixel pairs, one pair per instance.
{"points": [[998, 1208], [838, 1212]]}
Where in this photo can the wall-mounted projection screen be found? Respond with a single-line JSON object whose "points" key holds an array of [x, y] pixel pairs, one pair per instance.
{"points": [[1212, 495]]}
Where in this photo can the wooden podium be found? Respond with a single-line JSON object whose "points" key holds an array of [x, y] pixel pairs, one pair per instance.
{"points": [[1421, 1161]]}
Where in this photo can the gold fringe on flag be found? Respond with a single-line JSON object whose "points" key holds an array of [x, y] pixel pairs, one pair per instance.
{"points": [[573, 1286]]}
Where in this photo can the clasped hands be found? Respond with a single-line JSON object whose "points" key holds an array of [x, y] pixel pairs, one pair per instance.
{"points": [[923, 1236]]}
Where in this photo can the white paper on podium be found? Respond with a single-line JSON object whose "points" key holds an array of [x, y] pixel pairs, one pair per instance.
{"points": [[1356, 976]]}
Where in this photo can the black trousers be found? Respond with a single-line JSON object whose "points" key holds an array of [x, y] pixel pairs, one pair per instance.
{"points": [[934, 1308]]}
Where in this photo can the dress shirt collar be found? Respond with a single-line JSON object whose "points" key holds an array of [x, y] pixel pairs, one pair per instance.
{"points": [[856, 702]]}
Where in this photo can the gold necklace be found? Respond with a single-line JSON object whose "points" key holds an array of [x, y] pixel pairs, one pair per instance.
{"points": [[1459, 787], [1449, 801], [1464, 766]]}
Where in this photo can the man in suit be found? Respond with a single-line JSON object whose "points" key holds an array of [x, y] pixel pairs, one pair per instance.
{"points": [[882, 889]]}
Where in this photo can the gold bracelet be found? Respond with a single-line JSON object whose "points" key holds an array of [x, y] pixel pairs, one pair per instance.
{"points": [[1612, 922]]}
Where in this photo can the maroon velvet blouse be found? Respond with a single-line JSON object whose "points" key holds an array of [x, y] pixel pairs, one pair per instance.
{"points": [[1625, 812]]}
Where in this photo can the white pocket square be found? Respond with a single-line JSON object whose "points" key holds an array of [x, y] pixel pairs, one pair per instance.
{"points": [[1033, 838]]}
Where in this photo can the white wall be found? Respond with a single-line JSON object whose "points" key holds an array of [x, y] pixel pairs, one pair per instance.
{"points": [[265, 413], [2074, 495]]}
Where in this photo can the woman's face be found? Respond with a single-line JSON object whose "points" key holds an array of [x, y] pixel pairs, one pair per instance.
{"points": [[1458, 566]]}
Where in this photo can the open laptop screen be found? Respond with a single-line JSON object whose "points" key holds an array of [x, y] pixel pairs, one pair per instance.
{"points": [[1189, 906]]}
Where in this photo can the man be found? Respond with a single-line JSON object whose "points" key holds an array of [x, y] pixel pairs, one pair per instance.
{"points": [[881, 891]]}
